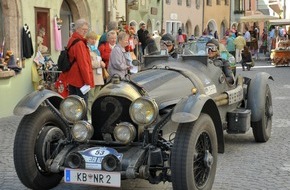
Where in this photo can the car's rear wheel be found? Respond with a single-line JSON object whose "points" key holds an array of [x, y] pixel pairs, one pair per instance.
{"points": [[262, 128], [194, 155], [35, 142]]}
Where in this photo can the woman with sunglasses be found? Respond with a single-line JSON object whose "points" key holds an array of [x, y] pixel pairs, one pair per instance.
{"points": [[213, 46]]}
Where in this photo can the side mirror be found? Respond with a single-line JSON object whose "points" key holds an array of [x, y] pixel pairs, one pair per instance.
{"points": [[136, 62]]}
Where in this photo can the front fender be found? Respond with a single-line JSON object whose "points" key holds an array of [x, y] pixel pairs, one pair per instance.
{"points": [[256, 95], [188, 109], [31, 102]]}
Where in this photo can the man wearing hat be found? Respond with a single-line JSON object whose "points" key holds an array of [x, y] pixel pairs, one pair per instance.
{"points": [[213, 53], [240, 43], [168, 41]]}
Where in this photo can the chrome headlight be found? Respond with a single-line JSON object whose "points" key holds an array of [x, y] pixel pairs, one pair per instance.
{"points": [[124, 132], [82, 131], [73, 108], [143, 111]]}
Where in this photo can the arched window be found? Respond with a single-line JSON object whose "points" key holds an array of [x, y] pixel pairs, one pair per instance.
{"points": [[67, 24]]}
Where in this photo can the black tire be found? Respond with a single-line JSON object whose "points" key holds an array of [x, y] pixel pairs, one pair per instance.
{"points": [[194, 155], [262, 129], [29, 157]]}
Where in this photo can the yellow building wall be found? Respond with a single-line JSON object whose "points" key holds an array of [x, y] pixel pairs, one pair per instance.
{"points": [[13, 89], [218, 13]]}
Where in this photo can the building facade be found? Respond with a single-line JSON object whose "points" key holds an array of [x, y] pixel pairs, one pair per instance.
{"points": [[40, 17], [216, 16], [184, 14], [145, 11]]}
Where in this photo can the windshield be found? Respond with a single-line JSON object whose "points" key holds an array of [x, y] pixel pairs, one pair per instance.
{"points": [[196, 47]]}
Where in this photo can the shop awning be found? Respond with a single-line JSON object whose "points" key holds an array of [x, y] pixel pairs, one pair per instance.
{"points": [[275, 6], [257, 18], [279, 22]]}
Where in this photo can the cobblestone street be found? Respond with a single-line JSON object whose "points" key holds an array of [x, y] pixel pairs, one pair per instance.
{"points": [[245, 165]]}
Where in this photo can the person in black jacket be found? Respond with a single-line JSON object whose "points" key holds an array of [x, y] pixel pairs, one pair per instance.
{"points": [[142, 36], [169, 42], [213, 53], [246, 57], [151, 48]]}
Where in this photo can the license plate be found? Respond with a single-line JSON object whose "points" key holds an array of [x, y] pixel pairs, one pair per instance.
{"points": [[92, 177]]}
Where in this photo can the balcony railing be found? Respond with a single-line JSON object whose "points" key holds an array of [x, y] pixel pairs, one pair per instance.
{"points": [[239, 11]]}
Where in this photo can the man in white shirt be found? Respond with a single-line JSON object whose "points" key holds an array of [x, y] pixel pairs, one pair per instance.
{"points": [[157, 39]]}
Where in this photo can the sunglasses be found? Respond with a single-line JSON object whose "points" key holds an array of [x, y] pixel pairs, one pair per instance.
{"points": [[212, 48], [167, 42]]}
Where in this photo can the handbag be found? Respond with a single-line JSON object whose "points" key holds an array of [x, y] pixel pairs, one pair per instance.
{"points": [[106, 75]]}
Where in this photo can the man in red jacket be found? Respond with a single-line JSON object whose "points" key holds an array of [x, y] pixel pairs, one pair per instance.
{"points": [[81, 73]]}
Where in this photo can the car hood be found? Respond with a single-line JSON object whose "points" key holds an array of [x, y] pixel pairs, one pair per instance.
{"points": [[167, 87]]}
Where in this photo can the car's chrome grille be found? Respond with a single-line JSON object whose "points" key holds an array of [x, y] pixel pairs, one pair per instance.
{"points": [[107, 112]]}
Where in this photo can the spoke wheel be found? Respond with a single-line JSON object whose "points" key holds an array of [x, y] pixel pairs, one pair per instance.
{"points": [[194, 155], [47, 145]]}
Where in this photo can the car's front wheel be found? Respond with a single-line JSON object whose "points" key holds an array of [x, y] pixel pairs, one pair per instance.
{"points": [[36, 141], [194, 155]]}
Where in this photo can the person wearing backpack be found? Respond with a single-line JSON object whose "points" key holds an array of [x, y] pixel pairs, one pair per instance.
{"points": [[81, 73]]}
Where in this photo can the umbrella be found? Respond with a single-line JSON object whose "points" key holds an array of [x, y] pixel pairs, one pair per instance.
{"points": [[257, 18]]}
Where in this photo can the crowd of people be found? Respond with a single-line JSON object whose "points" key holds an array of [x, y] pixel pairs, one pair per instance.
{"points": [[113, 55], [117, 48], [254, 41]]}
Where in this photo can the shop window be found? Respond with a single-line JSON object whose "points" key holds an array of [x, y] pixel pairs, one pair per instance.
{"points": [[218, 2], [42, 30], [227, 2], [188, 3], [179, 2]]}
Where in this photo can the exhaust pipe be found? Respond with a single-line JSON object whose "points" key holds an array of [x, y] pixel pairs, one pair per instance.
{"points": [[75, 160], [110, 163]]}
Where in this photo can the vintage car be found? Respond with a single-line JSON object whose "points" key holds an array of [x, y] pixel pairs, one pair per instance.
{"points": [[164, 123]]}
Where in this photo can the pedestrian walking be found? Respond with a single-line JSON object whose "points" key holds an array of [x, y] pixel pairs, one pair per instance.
{"points": [[239, 42]]}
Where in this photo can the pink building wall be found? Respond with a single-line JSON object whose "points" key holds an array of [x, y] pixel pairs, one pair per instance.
{"points": [[189, 18]]}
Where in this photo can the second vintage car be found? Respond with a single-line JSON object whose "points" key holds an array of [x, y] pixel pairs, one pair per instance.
{"points": [[164, 123]]}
